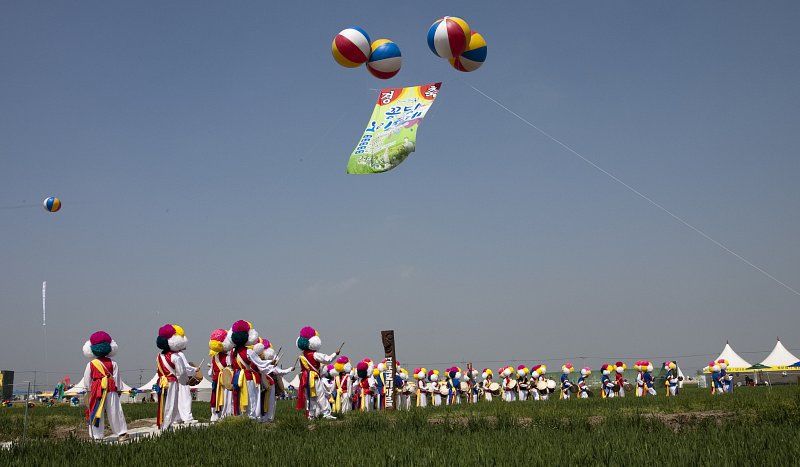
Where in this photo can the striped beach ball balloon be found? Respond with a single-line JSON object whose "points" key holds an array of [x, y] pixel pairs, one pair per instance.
{"points": [[384, 61], [473, 57], [52, 204], [350, 48], [448, 37]]}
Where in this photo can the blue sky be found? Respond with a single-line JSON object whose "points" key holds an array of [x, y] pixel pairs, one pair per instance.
{"points": [[200, 149]]}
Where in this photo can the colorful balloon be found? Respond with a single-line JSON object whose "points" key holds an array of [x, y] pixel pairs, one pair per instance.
{"points": [[52, 204], [473, 57], [350, 48], [384, 60], [449, 37]]}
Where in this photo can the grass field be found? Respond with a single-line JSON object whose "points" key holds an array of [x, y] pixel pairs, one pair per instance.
{"points": [[753, 425]]}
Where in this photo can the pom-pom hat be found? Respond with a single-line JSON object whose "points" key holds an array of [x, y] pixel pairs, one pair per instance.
{"points": [[100, 344], [309, 339], [171, 337]]}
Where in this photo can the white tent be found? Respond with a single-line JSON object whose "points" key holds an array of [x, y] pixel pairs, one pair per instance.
{"points": [[148, 386], [779, 357], [681, 378], [295, 382], [76, 390], [735, 362]]}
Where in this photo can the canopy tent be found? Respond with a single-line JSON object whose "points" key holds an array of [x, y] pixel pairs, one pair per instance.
{"points": [[736, 364], [780, 359], [148, 386], [295, 382], [758, 366], [76, 390]]}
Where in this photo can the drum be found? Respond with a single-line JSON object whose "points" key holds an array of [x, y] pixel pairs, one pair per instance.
{"points": [[589, 392], [628, 386], [551, 385], [196, 378], [226, 378], [574, 388], [464, 386], [409, 388], [494, 388], [512, 384], [279, 389], [616, 387], [541, 385], [444, 391]]}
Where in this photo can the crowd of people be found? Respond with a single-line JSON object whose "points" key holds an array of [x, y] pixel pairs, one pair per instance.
{"points": [[246, 378]]}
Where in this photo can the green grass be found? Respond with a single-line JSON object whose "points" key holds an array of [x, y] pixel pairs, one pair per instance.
{"points": [[751, 425]]}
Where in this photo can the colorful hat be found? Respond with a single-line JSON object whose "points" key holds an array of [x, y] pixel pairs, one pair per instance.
{"points": [[419, 373], [433, 375], [261, 347], [362, 370], [217, 340], [343, 365], [100, 344], [620, 367], [309, 339], [586, 371], [567, 368], [487, 373], [243, 334], [171, 337]]}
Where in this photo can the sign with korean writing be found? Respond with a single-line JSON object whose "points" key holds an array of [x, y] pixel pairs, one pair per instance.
{"points": [[391, 134], [387, 338]]}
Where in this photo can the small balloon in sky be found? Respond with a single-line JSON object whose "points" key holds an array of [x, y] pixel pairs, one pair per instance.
{"points": [[384, 60], [351, 47], [473, 57], [52, 204], [449, 37]]}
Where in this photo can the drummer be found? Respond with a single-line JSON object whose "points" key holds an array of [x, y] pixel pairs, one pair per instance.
{"points": [[509, 384], [403, 392], [523, 382], [174, 395], [671, 380], [583, 387], [265, 350], [566, 384], [487, 384], [541, 380], [434, 387], [647, 376], [219, 346], [606, 383]]}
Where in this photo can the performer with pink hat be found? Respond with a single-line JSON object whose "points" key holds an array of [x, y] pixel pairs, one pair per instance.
{"points": [[310, 395], [620, 368], [219, 345], [344, 386], [102, 379], [249, 370], [174, 395], [523, 383], [509, 383]]}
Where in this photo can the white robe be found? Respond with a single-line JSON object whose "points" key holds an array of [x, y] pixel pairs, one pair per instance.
{"points": [[227, 398], [319, 406], [112, 406], [178, 401], [422, 396]]}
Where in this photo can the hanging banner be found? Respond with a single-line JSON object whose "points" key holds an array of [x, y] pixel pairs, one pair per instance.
{"points": [[391, 134]]}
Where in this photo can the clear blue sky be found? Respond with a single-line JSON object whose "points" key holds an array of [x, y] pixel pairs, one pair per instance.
{"points": [[200, 147]]}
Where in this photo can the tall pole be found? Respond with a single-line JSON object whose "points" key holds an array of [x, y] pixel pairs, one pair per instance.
{"points": [[25, 422]]}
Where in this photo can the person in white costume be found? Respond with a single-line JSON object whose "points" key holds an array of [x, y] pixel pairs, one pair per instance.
{"points": [[219, 347], [265, 350], [311, 397], [420, 374], [102, 379], [487, 381], [174, 396]]}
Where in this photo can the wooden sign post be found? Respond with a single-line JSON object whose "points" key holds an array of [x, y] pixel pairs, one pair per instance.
{"points": [[387, 338]]}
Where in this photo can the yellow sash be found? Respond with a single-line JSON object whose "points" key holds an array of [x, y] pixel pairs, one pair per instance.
{"points": [[220, 390], [104, 385], [244, 395], [312, 376]]}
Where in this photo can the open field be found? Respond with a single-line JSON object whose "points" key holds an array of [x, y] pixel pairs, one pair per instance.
{"points": [[751, 425]]}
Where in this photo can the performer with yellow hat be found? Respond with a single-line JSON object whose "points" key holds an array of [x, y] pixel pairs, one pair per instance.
{"points": [[174, 395]]}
